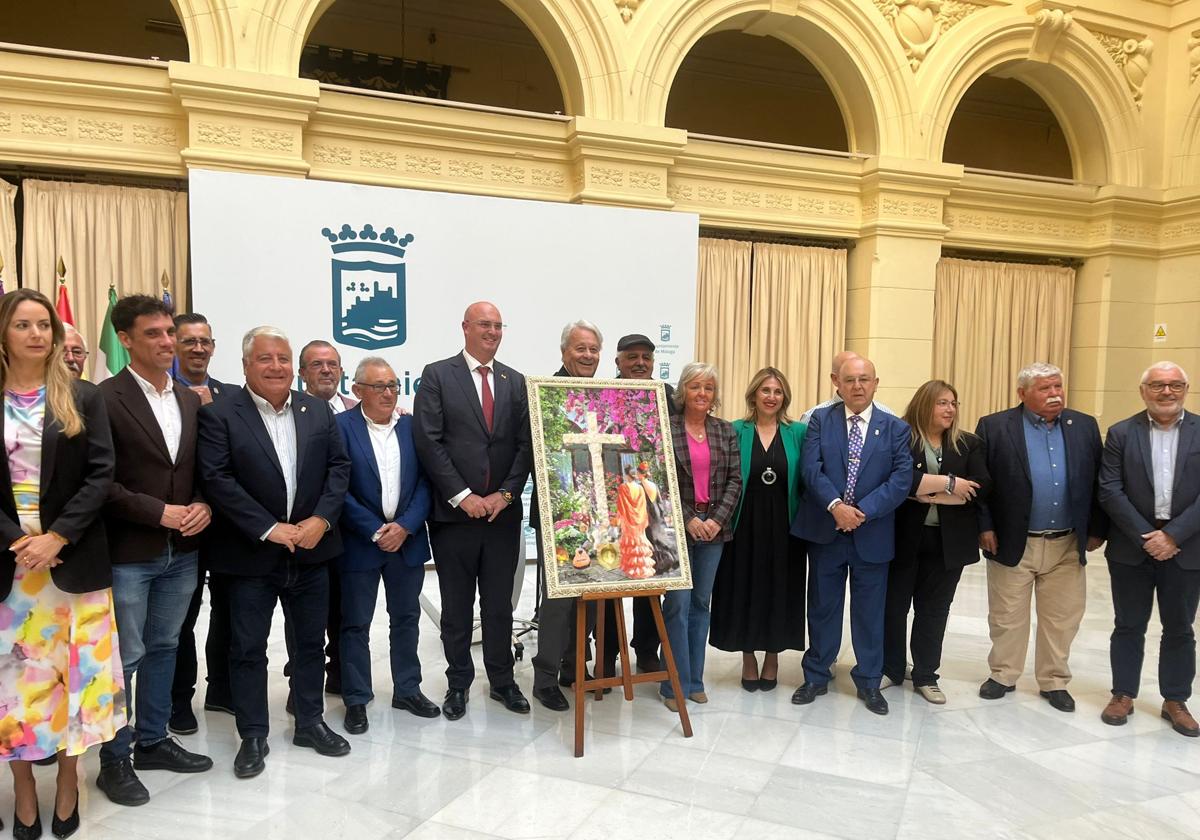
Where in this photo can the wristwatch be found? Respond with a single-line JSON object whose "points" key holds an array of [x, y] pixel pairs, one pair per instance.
{"points": [[507, 496]]}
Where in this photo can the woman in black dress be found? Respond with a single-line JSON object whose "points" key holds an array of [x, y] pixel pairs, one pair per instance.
{"points": [[758, 597]]}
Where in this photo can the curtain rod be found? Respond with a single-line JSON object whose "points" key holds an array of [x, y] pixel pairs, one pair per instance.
{"points": [[777, 238], [22, 173], [1008, 257]]}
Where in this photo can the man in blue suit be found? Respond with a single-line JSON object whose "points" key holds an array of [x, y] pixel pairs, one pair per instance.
{"points": [[857, 470], [383, 536]]}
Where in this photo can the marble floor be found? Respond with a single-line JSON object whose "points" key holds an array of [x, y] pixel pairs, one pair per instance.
{"points": [[757, 766]]}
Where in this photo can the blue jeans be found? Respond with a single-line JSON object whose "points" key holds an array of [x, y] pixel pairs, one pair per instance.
{"points": [[151, 600], [686, 614]]}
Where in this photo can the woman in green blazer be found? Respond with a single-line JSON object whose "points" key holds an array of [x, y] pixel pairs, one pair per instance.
{"points": [[758, 597]]}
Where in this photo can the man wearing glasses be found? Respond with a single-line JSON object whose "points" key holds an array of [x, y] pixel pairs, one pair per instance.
{"points": [[194, 348], [75, 351], [1150, 488], [321, 370], [383, 536], [471, 429]]}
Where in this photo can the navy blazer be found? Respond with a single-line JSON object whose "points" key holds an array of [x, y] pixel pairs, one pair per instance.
{"points": [[362, 515], [243, 482], [1127, 491], [884, 480], [1007, 510]]}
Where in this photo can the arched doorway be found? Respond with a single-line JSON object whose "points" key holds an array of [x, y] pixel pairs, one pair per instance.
{"points": [[131, 28], [475, 51]]}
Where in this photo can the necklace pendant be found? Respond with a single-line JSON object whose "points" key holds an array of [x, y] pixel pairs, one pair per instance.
{"points": [[769, 476]]}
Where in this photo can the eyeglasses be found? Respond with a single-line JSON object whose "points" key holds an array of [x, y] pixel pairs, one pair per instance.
{"points": [[191, 343], [323, 365], [947, 403], [859, 380], [1159, 387], [389, 387], [75, 352], [488, 325]]}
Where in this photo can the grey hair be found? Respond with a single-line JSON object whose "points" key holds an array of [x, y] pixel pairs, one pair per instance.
{"points": [[370, 361], [581, 324], [70, 330], [266, 332], [1037, 370], [698, 370], [1163, 366]]}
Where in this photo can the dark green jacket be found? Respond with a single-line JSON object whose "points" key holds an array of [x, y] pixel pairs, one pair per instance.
{"points": [[793, 442]]}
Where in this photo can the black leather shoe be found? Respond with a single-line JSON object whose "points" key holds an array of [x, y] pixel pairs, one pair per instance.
{"points": [[65, 828], [568, 681], [418, 704], [224, 708], [322, 739], [512, 698], [169, 754], [992, 690], [455, 704], [121, 785], [807, 693], [648, 663], [27, 832], [1060, 699], [183, 721], [873, 698], [552, 698], [356, 722], [251, 758]]}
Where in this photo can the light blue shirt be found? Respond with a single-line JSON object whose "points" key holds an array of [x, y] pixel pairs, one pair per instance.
{"points": [[1047, 473], [1164, 448]]}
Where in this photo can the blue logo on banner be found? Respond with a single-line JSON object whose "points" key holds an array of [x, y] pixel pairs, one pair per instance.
{"points": [[369, 301], [664, 370], [664, 333]]}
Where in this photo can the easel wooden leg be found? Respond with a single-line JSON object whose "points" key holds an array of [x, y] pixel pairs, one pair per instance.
{"points": [[599, 648], [672, 671], [623, 642], [580, 647]]}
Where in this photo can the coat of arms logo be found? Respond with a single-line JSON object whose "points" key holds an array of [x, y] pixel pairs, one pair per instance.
{"points": [[369, 300]]}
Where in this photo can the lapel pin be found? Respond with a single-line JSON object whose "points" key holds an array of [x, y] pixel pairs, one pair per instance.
{"points": [[504, 376], [876, 433], [1068, 421], [303, 409]]}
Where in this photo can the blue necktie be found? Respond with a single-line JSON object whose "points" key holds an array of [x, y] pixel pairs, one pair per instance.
{"points": [[856, 447]]}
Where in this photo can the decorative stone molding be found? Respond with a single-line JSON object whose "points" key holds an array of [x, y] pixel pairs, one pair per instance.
{"points": [[1049, 25], [616, 165], [900, 199], [627, 7], [1194, 56], [111, 131], [155, 135], [47, 124], [920, 23], [1131, 53]]}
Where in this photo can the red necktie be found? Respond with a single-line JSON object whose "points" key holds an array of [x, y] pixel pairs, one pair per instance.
{"points": [[489, 403]]}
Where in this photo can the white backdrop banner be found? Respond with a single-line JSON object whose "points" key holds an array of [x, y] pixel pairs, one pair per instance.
{"points": [[389, 272]]}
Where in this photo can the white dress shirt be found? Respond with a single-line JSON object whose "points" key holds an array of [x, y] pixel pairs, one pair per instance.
{"points": [[335, 402], [1164, 449], [476, 377], [836, 400], [281, 428], [165, 408], [387, 458]]}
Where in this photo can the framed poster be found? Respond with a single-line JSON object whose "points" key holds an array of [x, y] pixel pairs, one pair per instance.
{"points": [[607, 495]]}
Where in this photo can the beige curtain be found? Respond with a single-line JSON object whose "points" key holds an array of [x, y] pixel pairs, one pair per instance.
{"points": [[991, 319], [8, 235], [723, 316], [798, 315], [124, 236]]}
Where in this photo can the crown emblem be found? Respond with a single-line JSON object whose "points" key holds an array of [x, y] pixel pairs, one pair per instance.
{"points": [[367, 239], [369, 307]]}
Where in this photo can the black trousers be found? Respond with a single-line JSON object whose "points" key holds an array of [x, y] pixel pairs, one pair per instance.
{"points": [[216, 647], [555, 634], [333, 648], [645, 635], [468, 556], [925, 584], [1133, 592], [304, 593]]}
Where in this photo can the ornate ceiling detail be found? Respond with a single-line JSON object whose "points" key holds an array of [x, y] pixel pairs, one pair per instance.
{"points": [[627, 7], [919, 23]]}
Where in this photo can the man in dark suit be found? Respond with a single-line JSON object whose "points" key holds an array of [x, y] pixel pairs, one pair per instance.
{"points": [[1035, 528], [274, 467], [471, 429], [153, 516], [383, 536], [1150, 488], [857, 469], [194, 348]]}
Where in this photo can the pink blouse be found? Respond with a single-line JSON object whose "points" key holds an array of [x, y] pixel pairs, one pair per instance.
{"points": [[700, 456]]}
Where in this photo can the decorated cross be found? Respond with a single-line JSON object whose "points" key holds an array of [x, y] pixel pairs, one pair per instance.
{"points": [[594, 442]]}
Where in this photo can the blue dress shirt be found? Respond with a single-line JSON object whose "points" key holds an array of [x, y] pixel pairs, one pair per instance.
{"points": [[1047, 474]]}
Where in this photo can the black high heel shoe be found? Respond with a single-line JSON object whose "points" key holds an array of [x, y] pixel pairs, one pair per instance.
{"points": [[750, 685], [65, 828], [765, 684], [27, 832]]}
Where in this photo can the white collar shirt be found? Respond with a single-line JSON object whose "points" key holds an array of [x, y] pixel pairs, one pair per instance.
{"points": [[387, 457], [281, 428], [335, 402], [473, 365], [865, 414], [165, 409]]}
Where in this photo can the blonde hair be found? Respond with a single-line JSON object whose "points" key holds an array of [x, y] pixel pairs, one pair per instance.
{"points": [[698, 370], [756, 382], [920, 412], [60, 384]]}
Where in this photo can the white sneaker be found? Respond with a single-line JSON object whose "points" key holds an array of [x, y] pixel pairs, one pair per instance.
{"points": [[931, 693]]}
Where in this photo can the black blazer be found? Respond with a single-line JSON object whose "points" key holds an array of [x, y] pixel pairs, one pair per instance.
{"points": [[146, 479], [76, 474], [454, 445], [242, 480], [1127, 491], [1007, 511], [959, 523]]}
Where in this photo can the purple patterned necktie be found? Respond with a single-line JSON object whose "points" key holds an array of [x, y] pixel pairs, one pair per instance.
{"points": [[856, 446]]}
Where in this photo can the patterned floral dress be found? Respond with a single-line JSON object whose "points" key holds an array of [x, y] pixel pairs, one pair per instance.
{"points": [[61, 684]]}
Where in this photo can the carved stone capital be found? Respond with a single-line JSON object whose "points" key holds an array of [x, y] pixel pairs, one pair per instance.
{"points": [[1050, 23]]}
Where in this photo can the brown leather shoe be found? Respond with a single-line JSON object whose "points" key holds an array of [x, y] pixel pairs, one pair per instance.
{"points": [[1181, 719], [1118, 710]]}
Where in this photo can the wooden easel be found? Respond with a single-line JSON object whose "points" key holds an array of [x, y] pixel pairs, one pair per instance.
{"points": [[627, 678]]}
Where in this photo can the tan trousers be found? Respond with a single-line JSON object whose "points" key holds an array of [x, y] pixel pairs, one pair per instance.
{"points": [[1051, 569]]}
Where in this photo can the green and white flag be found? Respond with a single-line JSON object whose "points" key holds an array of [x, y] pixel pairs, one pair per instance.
{"points": [[111, 355]]}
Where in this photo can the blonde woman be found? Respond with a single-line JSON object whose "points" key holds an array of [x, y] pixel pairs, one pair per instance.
{"points": [[61, 686]]}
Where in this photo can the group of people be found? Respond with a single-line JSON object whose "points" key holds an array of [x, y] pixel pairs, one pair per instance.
{"points": [[129, 496]]}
